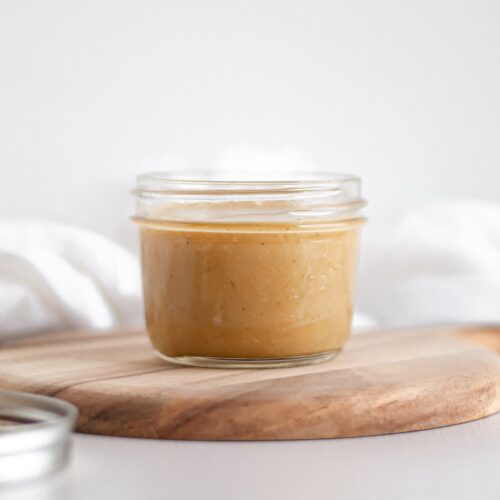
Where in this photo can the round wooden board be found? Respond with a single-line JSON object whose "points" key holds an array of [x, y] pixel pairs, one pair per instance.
{"points": [[383, 382]]}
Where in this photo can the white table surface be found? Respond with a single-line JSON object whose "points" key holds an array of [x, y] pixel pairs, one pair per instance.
{"points": [[458, 462]]}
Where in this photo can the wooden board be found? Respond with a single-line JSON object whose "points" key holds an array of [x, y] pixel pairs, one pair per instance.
{"points": [[383, 382]]}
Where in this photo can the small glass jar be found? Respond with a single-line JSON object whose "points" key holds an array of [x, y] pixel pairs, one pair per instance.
{"points": [[248, 273]]}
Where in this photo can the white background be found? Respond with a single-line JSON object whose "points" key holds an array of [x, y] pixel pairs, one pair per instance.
{"points": [[404, 93]]}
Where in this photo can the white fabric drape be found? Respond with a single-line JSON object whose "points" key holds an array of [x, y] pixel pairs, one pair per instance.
{"points": [[54, 276], [440, 263]]}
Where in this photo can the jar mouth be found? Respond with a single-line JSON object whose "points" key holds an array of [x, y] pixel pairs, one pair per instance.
{"points": [[233, 198], [225, 183]]}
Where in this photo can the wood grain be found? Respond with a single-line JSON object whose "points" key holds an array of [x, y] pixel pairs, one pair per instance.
{"points": [[383, 382]]}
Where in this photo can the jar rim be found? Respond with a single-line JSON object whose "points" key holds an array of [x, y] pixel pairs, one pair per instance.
{"points": [[202, 197], [209, 182]]}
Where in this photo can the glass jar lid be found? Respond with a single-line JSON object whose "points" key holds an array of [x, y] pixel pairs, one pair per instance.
{"points": [[34, 435]]}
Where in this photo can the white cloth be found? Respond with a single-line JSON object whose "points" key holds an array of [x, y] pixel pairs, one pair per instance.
{"points": [[439, 264], [54, 276]]}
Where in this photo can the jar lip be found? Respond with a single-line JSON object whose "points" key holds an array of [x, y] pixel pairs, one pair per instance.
{"points": [[306, 197], [207, 182]]}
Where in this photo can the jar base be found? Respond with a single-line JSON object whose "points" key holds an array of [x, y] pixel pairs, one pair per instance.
{"points": [[246, 363]]}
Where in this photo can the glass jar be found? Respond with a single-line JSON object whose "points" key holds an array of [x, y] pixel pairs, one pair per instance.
{"points": [[248, 273]]}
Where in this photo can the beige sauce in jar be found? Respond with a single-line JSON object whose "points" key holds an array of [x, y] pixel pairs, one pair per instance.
{"points": [[248, 290]]}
